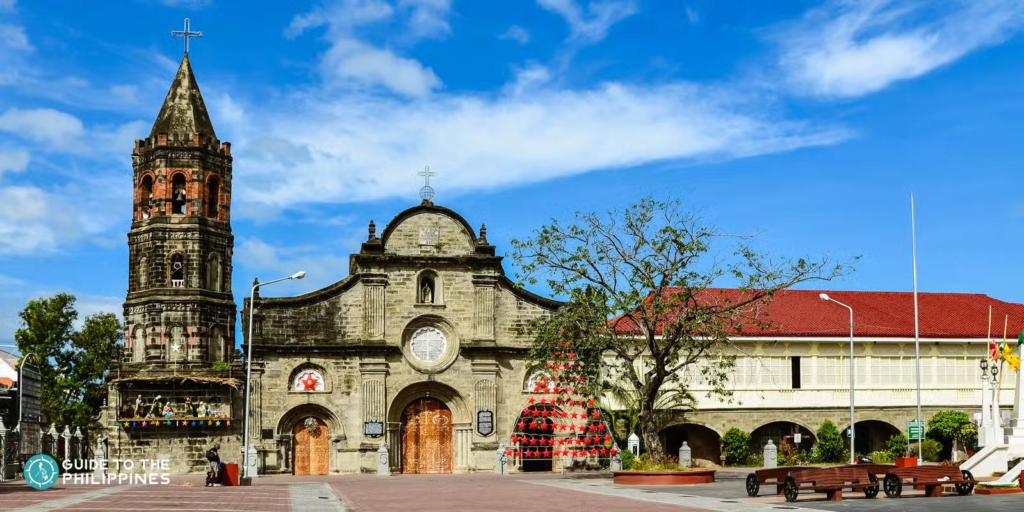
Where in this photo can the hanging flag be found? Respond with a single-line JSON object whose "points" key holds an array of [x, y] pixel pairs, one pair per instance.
{"points": [[993, 350], [1020, 339]]}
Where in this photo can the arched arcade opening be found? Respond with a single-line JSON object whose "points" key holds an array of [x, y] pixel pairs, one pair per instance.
{"points": [[705, 444]]}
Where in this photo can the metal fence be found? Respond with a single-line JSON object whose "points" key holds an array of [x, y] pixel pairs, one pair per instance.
{"points": [[61, 444]]}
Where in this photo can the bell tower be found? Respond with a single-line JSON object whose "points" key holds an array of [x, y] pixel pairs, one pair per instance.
{"points": [[179, 309]]}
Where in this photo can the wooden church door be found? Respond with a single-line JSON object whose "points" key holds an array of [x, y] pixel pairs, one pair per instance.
{"points": [[427, 437], [312, 447]]}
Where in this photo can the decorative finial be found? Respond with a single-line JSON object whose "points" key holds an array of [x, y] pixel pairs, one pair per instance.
{"points": [[373, 231], [483, 233], [427, 192], [256, 286], [187, 33]]}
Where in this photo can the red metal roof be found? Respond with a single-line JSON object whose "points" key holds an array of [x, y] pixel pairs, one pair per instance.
{"points": [[802, 313]]}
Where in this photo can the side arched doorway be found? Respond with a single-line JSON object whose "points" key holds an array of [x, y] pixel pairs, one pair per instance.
{"points": [[427, 437], [311, 447], [705, 444], [536, 437], [872, 436]]}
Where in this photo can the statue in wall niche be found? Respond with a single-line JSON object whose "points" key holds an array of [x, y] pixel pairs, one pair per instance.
{"points": [[126, 411], [138, 410], [426, 294]]}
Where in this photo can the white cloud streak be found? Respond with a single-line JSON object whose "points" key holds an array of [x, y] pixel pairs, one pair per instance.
{"points": [[849, 48], [13, 160], [590, 24], [353, 64], [361, 147], [515, 33]]}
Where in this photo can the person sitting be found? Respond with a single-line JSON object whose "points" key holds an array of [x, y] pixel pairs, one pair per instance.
{"points": [[168, 412], [213, 476]]}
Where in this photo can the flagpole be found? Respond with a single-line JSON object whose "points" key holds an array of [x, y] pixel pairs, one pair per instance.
{"points": [[917, 331]]}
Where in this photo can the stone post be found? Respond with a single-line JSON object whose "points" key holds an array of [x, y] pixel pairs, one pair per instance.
{"points": [[986, 414], [633, 444], [54, 436], [383, 461], [685, 455], [78, 442], [616, 462], [66, 435], [251, 461], [771, 455], [500, 461], [99, 470], [3, 451]]}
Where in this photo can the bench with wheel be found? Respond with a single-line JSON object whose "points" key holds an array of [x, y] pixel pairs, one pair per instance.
{"points": [[931, 477], [831, 481]]}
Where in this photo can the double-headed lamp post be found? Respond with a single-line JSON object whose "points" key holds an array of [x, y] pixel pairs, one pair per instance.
{"points": [[825, 297], [248, 368]]}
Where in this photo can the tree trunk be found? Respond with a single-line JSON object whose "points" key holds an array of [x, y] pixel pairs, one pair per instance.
{"points": [[651, 436]]}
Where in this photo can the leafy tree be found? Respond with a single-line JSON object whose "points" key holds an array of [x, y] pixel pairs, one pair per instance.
{"points": [[71, 362], [638, 284], [830, 447], [897, 445], [955, 426], [736, 446]]}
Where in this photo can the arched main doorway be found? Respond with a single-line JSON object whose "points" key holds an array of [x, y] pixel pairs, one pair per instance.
{"points": [[705, 444], [427, 437], [311, 453]]}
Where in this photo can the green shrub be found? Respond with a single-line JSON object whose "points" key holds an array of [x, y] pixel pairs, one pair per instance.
{"points": [[829, 447], [736, 446], [883, 457], [756, 460], [645, 462], [897, 445], [627, 459], [932, 450]]}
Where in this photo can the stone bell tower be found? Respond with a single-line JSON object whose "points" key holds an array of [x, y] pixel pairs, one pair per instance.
{"points": [[180, 310]]}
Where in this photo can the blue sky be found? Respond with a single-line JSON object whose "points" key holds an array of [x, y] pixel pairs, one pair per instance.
{"points": [[809, 122]]}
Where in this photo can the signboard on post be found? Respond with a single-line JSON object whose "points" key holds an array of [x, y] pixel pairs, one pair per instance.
{"points": [[30, 412], [915, 431]]}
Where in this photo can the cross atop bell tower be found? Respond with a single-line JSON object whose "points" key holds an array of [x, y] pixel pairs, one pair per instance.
{"points": [[187, 33]]}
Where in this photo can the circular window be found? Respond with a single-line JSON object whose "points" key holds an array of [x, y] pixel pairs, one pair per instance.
{"points": [[428, 344]]}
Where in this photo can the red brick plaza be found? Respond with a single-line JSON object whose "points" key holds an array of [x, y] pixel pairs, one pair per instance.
{"points": [[412, 493]]}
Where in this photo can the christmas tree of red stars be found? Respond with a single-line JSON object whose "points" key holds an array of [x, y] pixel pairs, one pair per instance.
{"points": [[560, 419]]}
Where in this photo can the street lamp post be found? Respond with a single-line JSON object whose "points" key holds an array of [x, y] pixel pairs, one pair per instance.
{"points": [[248, 368], [825, 297]]}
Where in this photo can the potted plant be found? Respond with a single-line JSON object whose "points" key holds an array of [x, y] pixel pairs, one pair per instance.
{"points": [[647, 470]]}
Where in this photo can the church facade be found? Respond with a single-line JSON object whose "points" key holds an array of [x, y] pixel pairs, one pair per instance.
{"points": [[423, 347]]}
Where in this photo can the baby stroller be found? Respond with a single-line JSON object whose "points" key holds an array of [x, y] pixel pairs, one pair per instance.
{"points": [[215, 478]]}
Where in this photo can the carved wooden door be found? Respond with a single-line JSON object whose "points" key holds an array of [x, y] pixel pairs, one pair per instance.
{"points": [[427, 437], [312, 447]]}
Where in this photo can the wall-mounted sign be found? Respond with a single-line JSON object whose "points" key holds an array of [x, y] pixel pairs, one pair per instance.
{"points": [[485, 423], [373, 429]]}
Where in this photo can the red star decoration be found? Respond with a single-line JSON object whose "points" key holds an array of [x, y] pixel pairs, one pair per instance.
{"points": [[600, 427], [509, 453], [309, 383], [565, 414], [596, 414], [514, 439], [574, 415], [547, 453], [532, 400], [613, 451], [604, 451], [522, 425]]}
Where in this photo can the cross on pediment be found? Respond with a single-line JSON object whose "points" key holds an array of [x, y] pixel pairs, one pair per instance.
{"points": [[427, 192], [186, 34]]}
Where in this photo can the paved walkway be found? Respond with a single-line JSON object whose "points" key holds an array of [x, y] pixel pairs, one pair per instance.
{"points": [[456, 493]]}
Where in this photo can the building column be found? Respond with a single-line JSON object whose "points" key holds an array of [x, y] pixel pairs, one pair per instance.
{"points": [[483, 306], [374, 290], [463, 447]]}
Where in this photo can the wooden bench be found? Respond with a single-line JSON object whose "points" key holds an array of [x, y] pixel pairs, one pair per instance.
{"points": [[877, 469], [772, 476], [830, 481], [931, 477]]}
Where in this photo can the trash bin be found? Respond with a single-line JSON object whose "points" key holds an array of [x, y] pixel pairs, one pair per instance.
{"points": [[230, 474]]}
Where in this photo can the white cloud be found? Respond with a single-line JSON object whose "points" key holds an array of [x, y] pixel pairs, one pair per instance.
{"points": [[13, 160], [270, 261], [12, 37], [192, 4], [515, 33], [428, 18], [360, 147], [692, 15], [353, 64], [590, 24], [46, 126], [528, 78], [850, 48], [7, 5]]}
